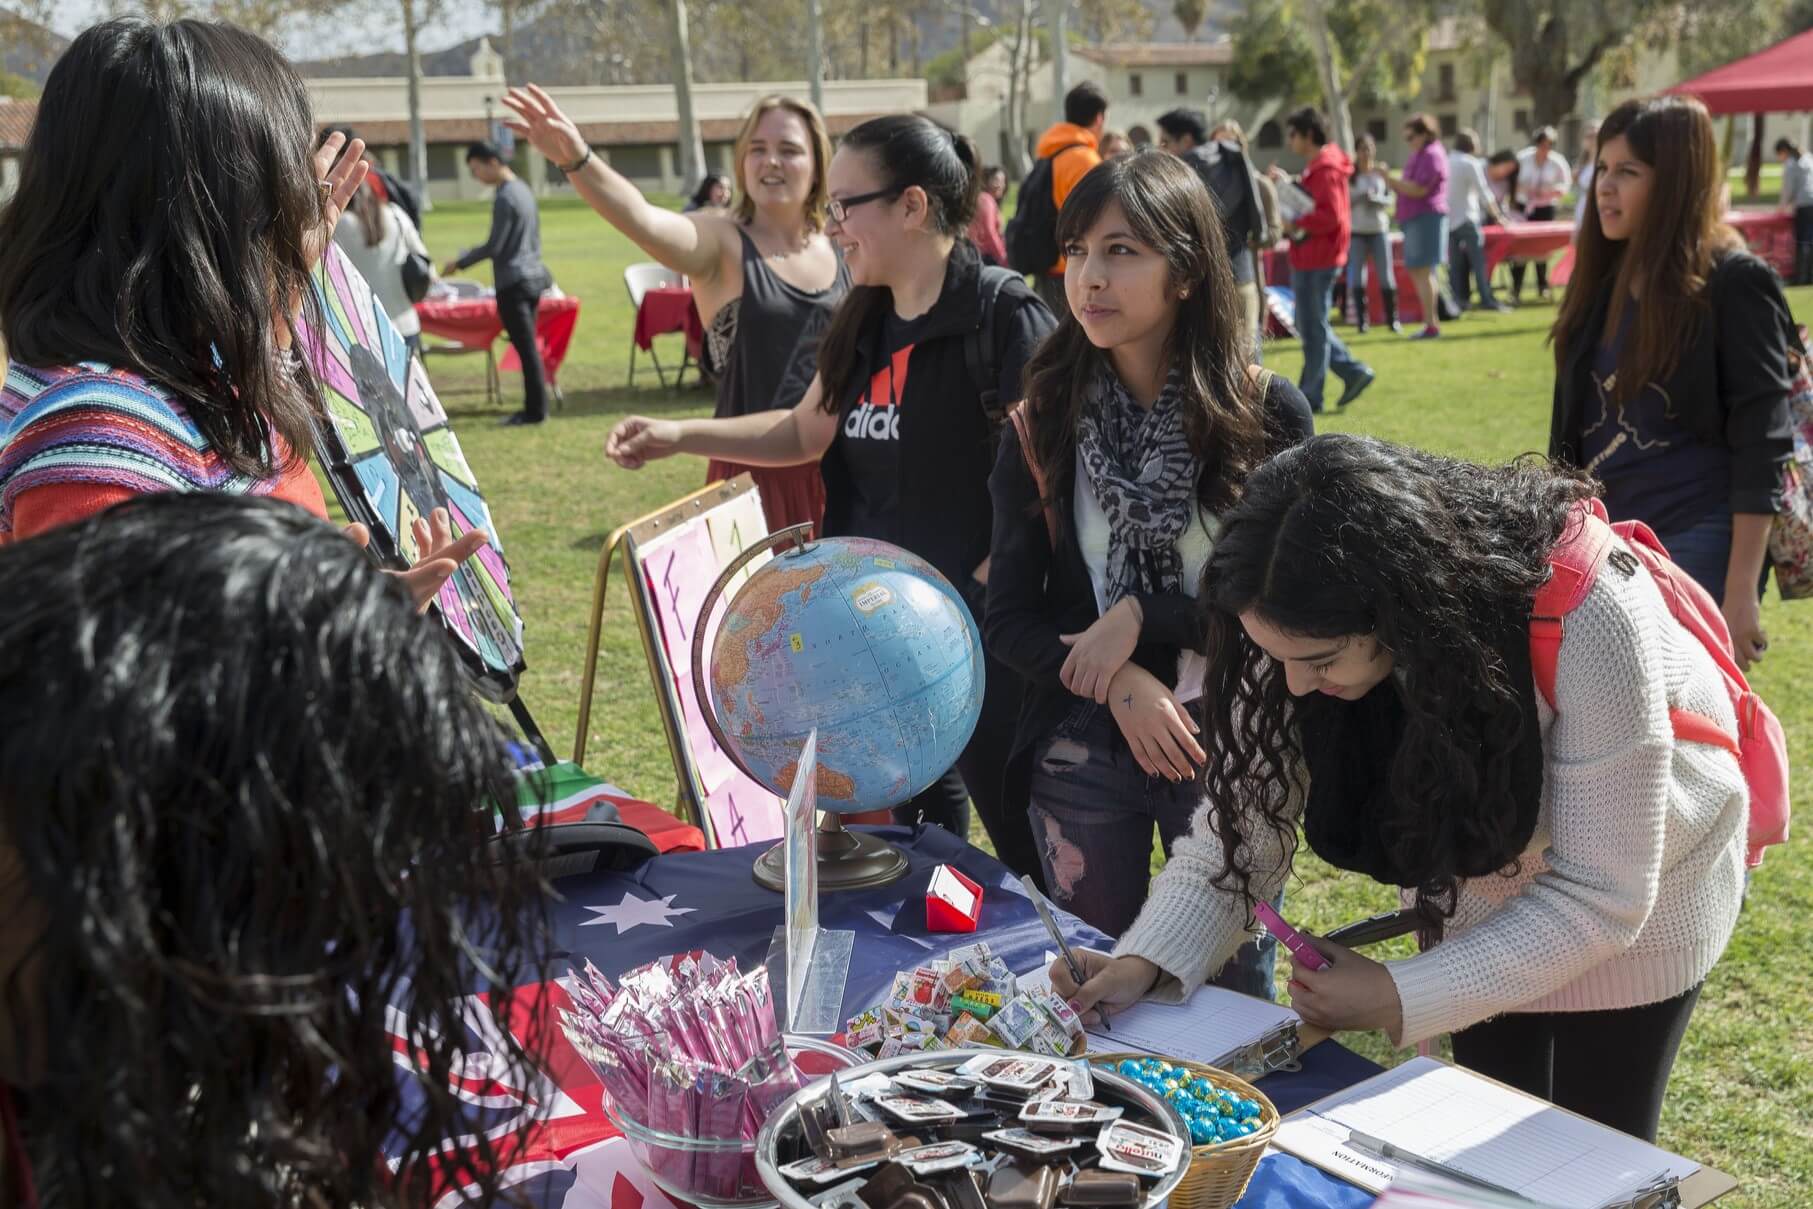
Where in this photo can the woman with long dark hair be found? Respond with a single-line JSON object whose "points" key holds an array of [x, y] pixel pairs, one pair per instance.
{"points": [[922, 358], [1672, 352], [235, 877], [1578, 869], [765, 275], [152, 286], [1142, 422]]}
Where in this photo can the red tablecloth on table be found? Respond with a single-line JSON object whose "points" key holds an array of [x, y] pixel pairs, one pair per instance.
{"points": [[669, 309], [473, 323]]}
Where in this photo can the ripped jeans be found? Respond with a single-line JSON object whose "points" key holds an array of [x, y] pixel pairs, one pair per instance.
{"points": [[1093, 810]]}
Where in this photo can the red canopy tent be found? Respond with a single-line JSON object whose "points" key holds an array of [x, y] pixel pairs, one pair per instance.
{"points": [[1776, 80]]}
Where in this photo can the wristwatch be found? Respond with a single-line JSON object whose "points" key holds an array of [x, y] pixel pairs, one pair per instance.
{"points": [[576, 165]]}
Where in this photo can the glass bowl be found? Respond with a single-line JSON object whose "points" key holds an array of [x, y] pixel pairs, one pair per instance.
{"points": [[720, 1173]]}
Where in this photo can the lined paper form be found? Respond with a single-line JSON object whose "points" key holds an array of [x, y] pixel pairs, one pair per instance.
{"points": [[1209, 1025], [1492, 1133]]}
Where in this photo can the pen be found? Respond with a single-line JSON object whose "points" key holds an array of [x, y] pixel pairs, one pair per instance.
{"points": [[1380, 1148], [1051, 926]]}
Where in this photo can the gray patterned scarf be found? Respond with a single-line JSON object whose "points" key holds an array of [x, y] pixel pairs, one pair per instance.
{"points": [[1144, 476]]}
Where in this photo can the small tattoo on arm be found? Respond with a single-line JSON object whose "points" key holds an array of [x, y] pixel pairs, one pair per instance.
{"points": [[1127, 701]]}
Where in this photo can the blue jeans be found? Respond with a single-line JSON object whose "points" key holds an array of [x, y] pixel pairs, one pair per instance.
{"points": [[1377, 248], [1467, 254], [1093, 810], [1703, 550], [1323, 350]]}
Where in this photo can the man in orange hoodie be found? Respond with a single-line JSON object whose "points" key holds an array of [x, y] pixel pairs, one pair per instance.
{"points": [[1071, 146], [1319, 239]]}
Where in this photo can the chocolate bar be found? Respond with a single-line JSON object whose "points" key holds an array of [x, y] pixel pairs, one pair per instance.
{"points": [[1067, 1116], [864, 1143], [1103, 1188], [893, 1187], [1023, 1186], [938, 1157], [943, 1083], [1140, 1149], [1034, 1145], [917, 1109], [816, 1171]]}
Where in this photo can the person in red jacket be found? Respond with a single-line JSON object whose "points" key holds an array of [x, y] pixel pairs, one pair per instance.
{"points": [[1319, 239]]}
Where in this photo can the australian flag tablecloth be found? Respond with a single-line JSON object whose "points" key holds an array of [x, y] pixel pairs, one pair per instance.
{"points": [[575, 1158]]}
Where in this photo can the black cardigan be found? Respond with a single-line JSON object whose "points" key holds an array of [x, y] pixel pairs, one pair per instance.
{"points": [[1733, 380], [1036, 593]]}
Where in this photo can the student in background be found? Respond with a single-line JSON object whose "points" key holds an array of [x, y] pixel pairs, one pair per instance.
{"points": [[1672, 352], [1224, 171], [713, 193], [985, 227], [1143, 420], [1114, 143], [1422, 192], [1797, 200], [377, 237], [1319, 246], [246, 803], [1270, 231], [765, 276], [1369, 201], [1471, 204], [1074, 147], [1578, 869], [1542, 181], [1583, 173], [897, 413]]}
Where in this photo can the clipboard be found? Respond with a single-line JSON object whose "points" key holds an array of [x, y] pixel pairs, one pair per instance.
{"points": [[1701, 1188]]}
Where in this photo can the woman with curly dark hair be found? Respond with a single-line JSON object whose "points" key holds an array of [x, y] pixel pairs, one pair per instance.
{"points": [[1578, 869], [1142, 421], [232, 873]]}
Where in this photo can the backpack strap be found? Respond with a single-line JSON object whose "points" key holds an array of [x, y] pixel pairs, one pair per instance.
{"points": [[1574, 564], [1022, 422], [979, 350]]}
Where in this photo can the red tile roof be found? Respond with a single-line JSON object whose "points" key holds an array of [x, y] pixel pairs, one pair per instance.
{"points": [[1158, 54], [16, 118], [603, 134]]}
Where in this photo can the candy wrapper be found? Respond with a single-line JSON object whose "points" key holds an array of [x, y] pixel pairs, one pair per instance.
{"points": [[969, 998]]}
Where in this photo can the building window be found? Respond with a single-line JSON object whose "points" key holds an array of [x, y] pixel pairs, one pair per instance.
{"points": [[1376, 128], [1136, 86], [1450, 124], [1183, 83], [1444, 89], [637, 163], [1271, 137]]}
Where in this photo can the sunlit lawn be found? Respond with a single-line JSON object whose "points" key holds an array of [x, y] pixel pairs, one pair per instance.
{"points": [[1742, 1096]]}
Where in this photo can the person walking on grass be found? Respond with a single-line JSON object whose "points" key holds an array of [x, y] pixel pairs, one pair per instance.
{"points": [[1542, 181], [1471, 204], [1797, 200], [764, 274], [1319, 245], [514, 249], [1423, 214], [1226, 172]]}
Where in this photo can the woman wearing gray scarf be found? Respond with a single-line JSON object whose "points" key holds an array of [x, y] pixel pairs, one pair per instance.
{"points": [[1141, 423]]}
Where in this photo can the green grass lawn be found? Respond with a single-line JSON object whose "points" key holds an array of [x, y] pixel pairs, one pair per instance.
{"points": [[1742, 1096]]}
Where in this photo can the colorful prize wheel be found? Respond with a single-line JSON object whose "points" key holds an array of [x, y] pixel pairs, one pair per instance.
{"points": [[393, 457]]}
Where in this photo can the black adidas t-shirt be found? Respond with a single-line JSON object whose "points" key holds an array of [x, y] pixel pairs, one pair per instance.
{"points": [[871, 431]]}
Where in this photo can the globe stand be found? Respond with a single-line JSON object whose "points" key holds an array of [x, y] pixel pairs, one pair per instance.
{"points": [[847, 860]]}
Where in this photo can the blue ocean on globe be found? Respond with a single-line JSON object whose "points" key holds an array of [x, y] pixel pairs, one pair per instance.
{"points": [[864, 642]]}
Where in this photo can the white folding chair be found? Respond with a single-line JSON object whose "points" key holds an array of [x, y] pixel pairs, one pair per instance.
{"points": [[639, 279]]}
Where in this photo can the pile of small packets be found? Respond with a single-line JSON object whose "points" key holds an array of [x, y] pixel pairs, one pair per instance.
{"points": [[968, 999], [1214, 1114]]}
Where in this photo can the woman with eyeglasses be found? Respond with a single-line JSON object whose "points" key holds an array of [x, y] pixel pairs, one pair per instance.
{"points": [[765, 275], [914, 374]]}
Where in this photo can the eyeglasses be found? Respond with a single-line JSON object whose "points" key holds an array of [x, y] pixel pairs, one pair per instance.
{"points": [[840, 210]]}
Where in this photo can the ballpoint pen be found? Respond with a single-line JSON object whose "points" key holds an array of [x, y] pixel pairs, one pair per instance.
{"points": [[1380, 1148], [1057, 937]]}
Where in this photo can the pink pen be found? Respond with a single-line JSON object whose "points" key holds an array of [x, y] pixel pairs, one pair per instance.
{"points": [[1289, 937]]}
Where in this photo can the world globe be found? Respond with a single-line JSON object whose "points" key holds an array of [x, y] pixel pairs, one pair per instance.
{"points": [[864, 642]]}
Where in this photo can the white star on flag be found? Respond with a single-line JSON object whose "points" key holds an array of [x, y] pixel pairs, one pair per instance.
{"points": [[633, 912]]}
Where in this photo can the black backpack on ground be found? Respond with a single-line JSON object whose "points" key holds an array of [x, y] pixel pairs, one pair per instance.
{"points": [[1032, 235]]}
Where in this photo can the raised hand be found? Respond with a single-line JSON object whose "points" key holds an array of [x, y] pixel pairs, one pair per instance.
{"points": [[441, 554], [540, 120], [340, 168]]}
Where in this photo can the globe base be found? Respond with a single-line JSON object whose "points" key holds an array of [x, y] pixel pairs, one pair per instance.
{"points": [[847, 860]]}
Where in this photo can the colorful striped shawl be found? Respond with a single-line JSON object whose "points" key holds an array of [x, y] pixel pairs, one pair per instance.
{"points": [[96, 425]]}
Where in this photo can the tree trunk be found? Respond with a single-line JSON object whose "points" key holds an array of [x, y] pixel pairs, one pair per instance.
{"points": [[815, 54], [692, 147], [1058, 12], [1753, 166], [418, 138], [1334, 97], [507, 11]]}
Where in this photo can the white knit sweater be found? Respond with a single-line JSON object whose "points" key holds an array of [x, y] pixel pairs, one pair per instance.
{"points": [[1632, 881]]}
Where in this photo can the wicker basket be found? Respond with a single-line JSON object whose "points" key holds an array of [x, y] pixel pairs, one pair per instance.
{"points": [[1220, 1172]]}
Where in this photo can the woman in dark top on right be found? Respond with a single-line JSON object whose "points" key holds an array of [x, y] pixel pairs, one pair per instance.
{"points": [[1671, 353]]}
